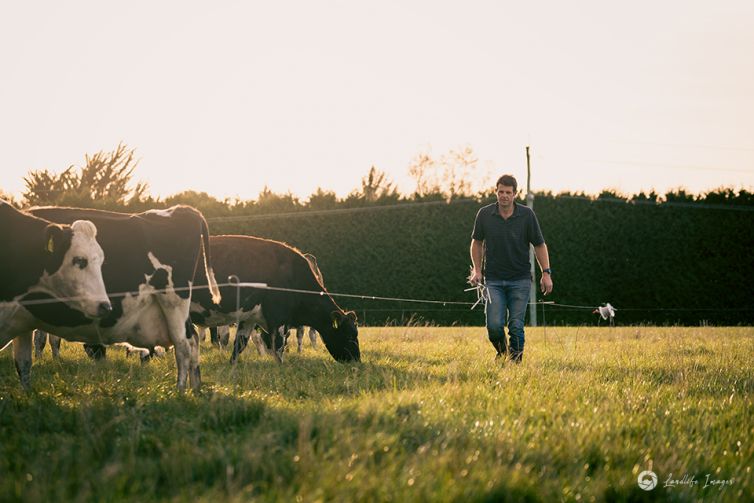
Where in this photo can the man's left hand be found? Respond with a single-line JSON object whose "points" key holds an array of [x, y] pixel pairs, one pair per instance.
{"points": [[545, 284]]}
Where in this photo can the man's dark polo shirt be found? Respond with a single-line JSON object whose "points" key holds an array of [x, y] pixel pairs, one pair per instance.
{"points": [[506, 242]]}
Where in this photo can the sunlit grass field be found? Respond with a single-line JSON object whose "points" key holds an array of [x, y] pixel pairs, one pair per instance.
{"points": [[428, 416]]}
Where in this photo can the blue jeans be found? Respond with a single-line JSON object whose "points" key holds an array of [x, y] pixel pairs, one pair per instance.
{"points": [[507, 305]]}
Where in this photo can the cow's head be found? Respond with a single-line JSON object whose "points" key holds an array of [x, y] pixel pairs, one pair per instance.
{"points": [[73, 268], [342, 337]]}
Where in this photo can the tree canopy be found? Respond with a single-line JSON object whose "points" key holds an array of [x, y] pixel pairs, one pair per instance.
{"points": [[104, 180]]}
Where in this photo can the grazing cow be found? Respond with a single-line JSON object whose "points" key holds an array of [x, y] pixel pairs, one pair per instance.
{"points": [[256, 260], [152, 262], [41, 262]]}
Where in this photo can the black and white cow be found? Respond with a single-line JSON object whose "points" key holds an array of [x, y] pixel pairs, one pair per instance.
{"points": [[40, 262], [152, 262], [256, 260]]}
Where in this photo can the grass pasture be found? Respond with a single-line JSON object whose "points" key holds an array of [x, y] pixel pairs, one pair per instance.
{"points": [[428, 416]]}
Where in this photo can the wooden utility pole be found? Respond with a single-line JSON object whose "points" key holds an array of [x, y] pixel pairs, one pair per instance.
{"points": [[530, 204]]}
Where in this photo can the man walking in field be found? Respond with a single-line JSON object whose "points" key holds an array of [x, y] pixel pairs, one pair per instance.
{"points": [[501, 237]]}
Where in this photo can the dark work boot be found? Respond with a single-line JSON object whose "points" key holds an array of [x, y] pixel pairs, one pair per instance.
{"points": [[500, 348]]}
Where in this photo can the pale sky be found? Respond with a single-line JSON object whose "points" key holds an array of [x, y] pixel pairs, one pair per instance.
{"points": [[226, 97]]}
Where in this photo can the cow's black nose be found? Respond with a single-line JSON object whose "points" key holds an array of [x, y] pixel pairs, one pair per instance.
{"points": [[104, 309]]}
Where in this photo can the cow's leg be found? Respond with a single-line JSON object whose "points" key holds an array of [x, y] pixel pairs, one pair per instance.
{"points": [[267, 342], [40, 340], [55, 346], [224, 336], [276, 316], [213, 337], [274, 341], [95, 351], [145, 355], [299, 338], [256, 338], [201, 333], [182, 362], [313, 337], [195, 374], [279, 343], [176, 316], [242, 339], [22, 357], [286, 335]]}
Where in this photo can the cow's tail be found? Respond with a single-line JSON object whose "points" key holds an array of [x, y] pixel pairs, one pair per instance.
{"points": [[211, 281]]}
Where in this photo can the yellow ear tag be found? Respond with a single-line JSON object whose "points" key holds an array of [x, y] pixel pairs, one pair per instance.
{"points": [[50, 245], [335, 324]]}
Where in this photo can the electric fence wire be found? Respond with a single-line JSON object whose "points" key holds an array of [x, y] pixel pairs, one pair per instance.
{"points": [[481, 291]]}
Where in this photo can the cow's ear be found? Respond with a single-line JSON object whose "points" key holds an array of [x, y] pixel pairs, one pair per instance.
{"points": [[53, 237], [352, 315], [336, 319]]}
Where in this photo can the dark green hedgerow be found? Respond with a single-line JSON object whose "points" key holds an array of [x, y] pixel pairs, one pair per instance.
{"points": [[658, 264]]}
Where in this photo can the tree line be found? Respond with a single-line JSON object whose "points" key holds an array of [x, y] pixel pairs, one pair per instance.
{"points": [[106, 180]]}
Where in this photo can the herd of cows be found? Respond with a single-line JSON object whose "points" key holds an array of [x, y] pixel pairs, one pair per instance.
{"points": [[144, 279]]}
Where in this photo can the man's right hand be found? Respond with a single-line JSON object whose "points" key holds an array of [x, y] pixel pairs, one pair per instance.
{"points": [[476, 278]]}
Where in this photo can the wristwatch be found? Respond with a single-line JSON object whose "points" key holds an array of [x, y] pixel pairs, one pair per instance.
{"points": [[548, 271]]}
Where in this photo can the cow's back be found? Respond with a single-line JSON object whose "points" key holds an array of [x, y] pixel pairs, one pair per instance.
{"points": [[256, 260]]}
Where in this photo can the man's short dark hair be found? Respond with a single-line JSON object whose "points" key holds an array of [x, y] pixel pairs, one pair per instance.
{"points": [[508, 181]]}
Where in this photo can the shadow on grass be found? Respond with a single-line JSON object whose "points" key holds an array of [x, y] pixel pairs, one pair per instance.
{"points": [[123, 445], [118, 429], [135, 439]]}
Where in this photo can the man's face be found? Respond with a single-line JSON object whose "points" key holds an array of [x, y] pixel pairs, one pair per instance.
{"points": [[505, 196]]}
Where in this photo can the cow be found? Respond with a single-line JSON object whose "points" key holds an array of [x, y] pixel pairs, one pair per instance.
{"points": [[151, 268], [257, 260], [44, 264]]}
